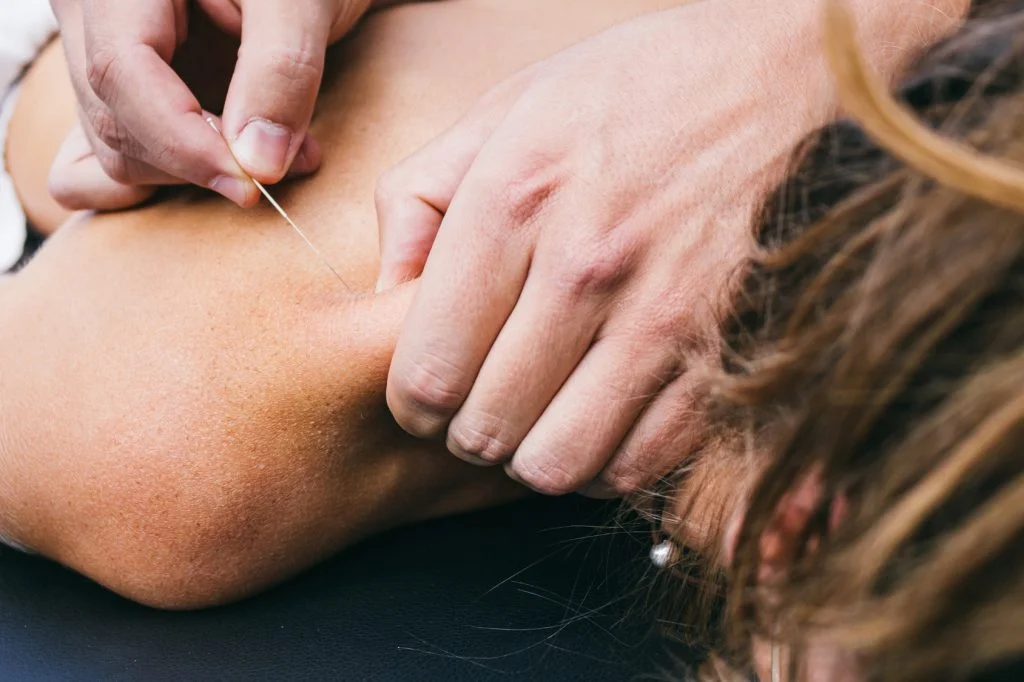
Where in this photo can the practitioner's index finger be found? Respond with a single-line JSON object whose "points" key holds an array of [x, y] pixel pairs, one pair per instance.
{"points": [[160, 24], [153, 115], [168, 127]]}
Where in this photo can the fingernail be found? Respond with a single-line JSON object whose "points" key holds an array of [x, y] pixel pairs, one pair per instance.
{"points": [[262, 148], [234, 189]]}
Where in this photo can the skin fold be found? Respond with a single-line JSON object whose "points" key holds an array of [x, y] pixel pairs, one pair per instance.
{"points": [[191, 406]]}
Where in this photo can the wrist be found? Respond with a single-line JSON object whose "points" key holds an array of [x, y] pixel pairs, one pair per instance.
{"points": [[893, 32], [788, 35]]}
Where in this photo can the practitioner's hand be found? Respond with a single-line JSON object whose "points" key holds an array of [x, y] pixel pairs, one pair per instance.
{"points": [[583, 226], [141, 107]]}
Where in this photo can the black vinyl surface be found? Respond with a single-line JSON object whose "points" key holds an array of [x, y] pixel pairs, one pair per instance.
{"points": [[538, 590]]}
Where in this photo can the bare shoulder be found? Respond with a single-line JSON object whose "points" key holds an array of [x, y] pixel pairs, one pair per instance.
{"points": [[191, 430]]}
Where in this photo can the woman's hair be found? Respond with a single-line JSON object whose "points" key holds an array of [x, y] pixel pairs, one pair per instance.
{"points": [[877, 359]]}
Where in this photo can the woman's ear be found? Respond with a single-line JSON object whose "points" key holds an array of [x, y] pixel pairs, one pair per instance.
{"points": [[780, 538], [779, 541], [822, 661]]}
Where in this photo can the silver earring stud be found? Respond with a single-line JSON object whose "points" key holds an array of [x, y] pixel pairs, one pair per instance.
{"points": [[665, 554]]}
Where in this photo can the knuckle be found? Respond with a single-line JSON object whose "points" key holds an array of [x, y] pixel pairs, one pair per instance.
{"points": [[678, 311], [481, 437], [667, 322], [594, 272], [546, 477], [431, 386], [527, 193]]}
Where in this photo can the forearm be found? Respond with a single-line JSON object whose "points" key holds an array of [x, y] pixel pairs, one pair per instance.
{"points": [[891, 32], [785, 72]]}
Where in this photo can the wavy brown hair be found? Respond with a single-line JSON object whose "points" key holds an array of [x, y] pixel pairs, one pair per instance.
{"points": [[878, 351]]}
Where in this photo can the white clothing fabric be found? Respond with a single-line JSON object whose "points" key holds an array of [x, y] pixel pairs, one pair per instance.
{"points": [[25, 28]]}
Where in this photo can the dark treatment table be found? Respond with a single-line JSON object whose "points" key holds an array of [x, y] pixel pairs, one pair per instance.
{"points": [[538, 590]]}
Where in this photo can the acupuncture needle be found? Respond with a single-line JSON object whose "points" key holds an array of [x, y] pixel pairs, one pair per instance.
{"points": [[263, 190]]}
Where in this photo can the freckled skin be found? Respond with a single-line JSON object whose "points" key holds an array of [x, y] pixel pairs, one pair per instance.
{"points": [[191, 406]]}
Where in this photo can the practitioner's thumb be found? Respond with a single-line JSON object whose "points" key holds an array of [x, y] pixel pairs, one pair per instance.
{"points": [[274, 88]]}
